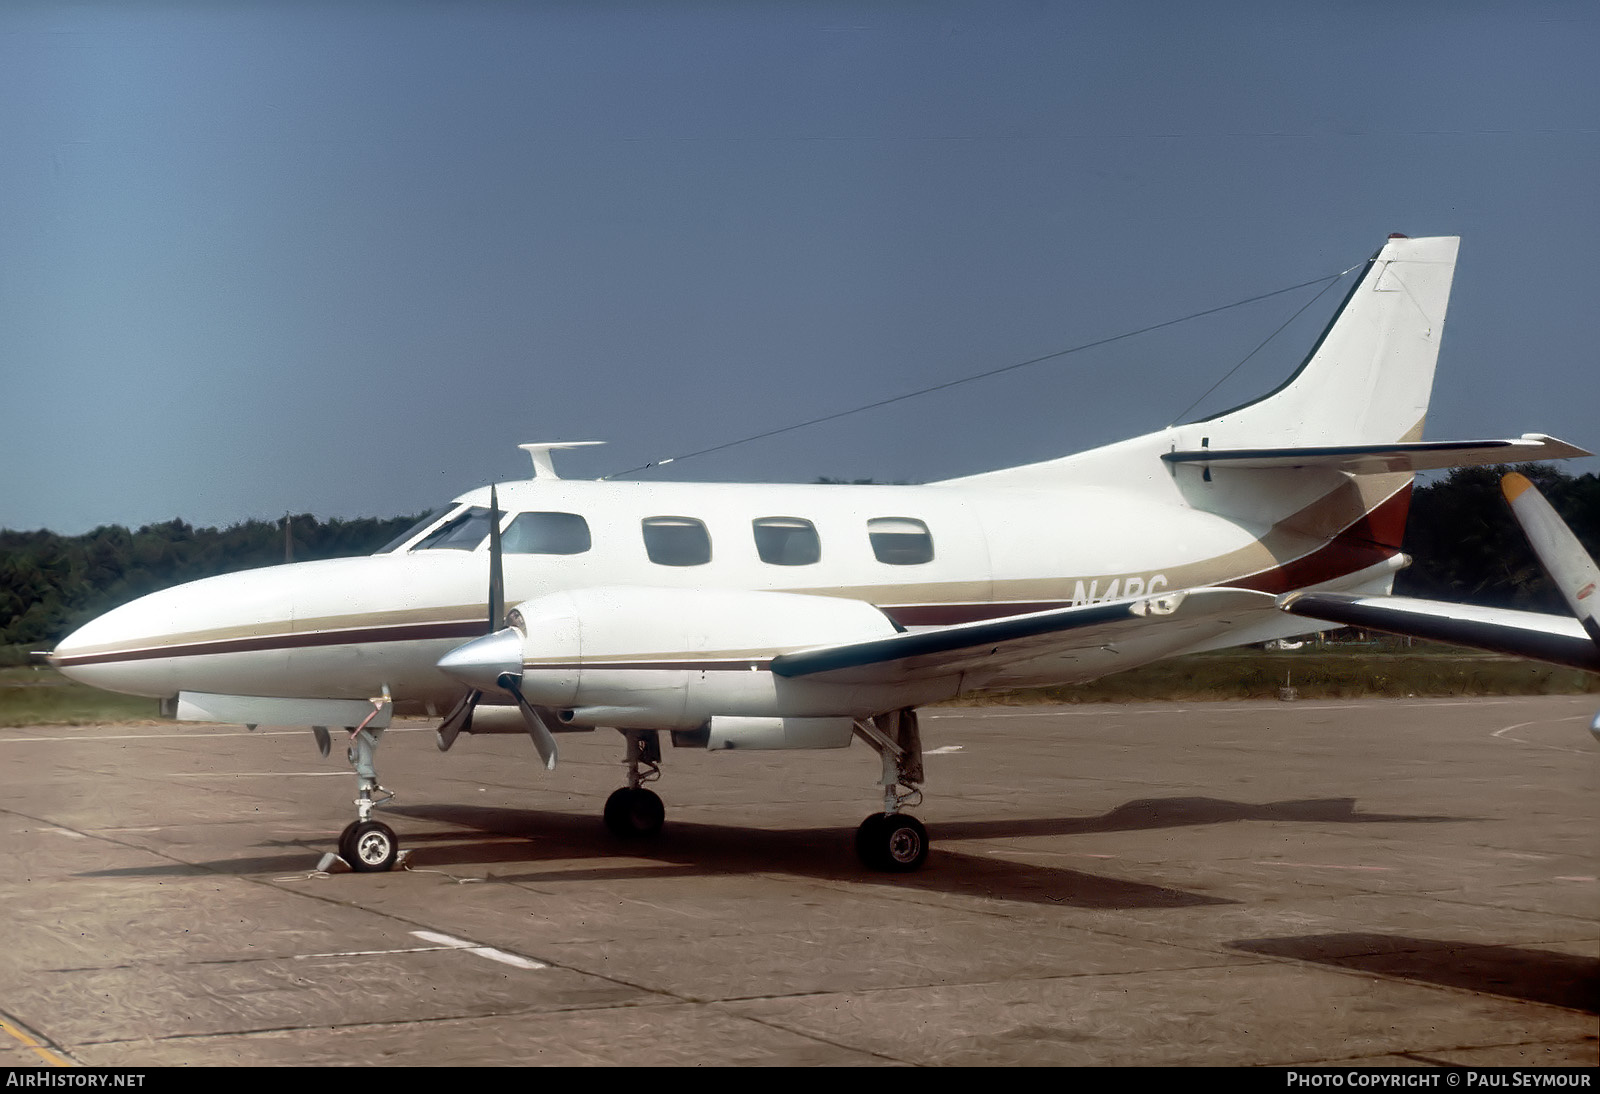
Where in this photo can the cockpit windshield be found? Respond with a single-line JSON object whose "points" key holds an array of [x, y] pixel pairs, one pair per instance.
{"points": [[427, 518], [460, 533]]}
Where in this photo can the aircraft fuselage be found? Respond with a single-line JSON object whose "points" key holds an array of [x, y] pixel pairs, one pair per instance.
{"points": [[924, 555]]}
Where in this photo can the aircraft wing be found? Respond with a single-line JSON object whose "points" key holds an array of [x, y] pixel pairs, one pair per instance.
{"points": [[1177, 619], [1552, 638]]}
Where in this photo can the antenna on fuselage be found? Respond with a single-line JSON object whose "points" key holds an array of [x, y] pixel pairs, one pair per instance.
{"points": [[543, 466]]}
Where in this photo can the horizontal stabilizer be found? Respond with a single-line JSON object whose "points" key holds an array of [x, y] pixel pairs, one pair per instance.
{"points": [[1378, 459], [1552, 638]]}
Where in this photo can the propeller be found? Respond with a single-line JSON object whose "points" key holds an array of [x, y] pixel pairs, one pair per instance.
{"points": [[494, 661], [1563, 557]]}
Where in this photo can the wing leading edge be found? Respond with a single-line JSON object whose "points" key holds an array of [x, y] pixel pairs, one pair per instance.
{"points": [[1498, 630], [1000, 644]]}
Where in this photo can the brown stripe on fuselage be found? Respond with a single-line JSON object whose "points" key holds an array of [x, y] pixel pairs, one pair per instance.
{"points": [[416, 632], [1371, 539]]}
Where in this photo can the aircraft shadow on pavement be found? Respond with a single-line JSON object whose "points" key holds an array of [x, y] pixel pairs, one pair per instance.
{"points": [[531, 838], [1184, 813], [825, 854], [1534, 976]]}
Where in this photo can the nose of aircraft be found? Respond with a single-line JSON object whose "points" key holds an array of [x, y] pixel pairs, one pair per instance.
{"points": [[136, 648], [482, 661]]}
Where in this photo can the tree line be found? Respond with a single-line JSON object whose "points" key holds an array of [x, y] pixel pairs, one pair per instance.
{"points": [[51, 584], [1467, 546], [1465, 543]]}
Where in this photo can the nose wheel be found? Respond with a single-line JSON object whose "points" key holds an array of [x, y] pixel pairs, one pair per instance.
{"points": [[369, 846]]}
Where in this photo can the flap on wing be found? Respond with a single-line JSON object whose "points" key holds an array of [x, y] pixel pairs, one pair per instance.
{"points": [[1377, 459], [1552, 638], [962, 646]]}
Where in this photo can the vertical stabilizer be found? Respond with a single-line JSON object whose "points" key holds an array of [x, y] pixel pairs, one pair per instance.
{"points": [[1369, 377]]}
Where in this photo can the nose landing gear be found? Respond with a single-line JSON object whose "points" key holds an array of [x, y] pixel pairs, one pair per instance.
{"points": [[366, 845]]}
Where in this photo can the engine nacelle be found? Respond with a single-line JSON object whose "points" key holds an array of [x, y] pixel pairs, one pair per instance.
{"points": [[658, 658]]}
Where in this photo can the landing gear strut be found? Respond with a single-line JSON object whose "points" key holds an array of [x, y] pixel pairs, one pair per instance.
{"points": [[369, 846], [633, 811], [892, 840]]}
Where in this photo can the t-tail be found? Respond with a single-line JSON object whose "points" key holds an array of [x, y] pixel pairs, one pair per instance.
{"points": [[1328, 455]]}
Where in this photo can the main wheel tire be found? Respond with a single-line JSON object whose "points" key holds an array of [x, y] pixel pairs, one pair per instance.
{"points": [[869, 847], [372, 847], [347, 850], [633, 813], [895, 842]]}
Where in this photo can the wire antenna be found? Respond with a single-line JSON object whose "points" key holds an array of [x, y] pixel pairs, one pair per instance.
{"points": [[1329, 279]]}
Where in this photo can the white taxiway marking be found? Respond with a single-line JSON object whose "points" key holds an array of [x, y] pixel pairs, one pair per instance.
{"points": [[251, 774], [208, 729], [440, 942], [1325, 866], [490, 952], [1501, 733]]}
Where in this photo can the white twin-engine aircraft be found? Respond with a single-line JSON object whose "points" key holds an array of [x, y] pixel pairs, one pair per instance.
{"points": [[772, 617]]}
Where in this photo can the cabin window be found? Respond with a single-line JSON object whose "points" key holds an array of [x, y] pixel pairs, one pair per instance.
{"points": [[546, 534], [900, 541], [786, 541], [676, 541], [463, 533]]}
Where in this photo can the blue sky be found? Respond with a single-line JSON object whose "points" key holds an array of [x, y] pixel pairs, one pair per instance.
{"points": [[343, 258]]}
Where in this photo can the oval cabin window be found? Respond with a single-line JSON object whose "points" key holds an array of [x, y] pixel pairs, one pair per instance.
{"points": [[900, 541], [676, 541], [786, 541]]}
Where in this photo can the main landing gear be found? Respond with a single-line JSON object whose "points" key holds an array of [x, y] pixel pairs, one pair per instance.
{"points": [[633, 812], [891, 840]]}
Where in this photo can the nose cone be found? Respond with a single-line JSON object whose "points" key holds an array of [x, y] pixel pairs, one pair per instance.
{"points": [[139, 648], [482, 661]]}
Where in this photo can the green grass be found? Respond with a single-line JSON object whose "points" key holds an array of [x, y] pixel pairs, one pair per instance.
{"points": [[41, 696], [1318, 674]]}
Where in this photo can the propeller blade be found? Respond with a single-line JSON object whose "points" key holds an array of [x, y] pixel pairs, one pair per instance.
{"points": [[1564, 558], [544, 742], [458, 721], [482, 657], [497, 577]]}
